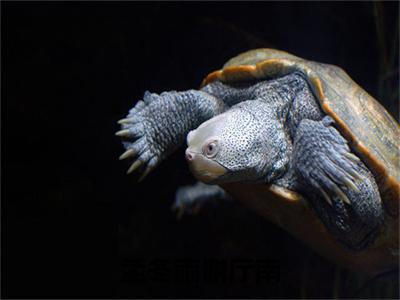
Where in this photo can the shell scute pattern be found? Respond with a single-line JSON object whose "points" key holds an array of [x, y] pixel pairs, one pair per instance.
{"points": [[370, 130]]}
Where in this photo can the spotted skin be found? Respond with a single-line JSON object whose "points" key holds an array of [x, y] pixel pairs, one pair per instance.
{"points": [[158, 124], [274, 132], [318, 158]]}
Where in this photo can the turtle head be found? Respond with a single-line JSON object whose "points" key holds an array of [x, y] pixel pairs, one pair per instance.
{"points": [[227, 148]]}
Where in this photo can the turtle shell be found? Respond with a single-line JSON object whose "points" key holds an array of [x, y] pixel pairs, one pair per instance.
{"points": [[371, 131]]}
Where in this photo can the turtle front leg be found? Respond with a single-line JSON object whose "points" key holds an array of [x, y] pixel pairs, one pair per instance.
{"points": [[352, 208], [158, 125]]}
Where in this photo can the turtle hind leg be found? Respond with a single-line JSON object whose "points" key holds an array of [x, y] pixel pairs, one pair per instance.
{"points": [[340, 187], [191, 199]]}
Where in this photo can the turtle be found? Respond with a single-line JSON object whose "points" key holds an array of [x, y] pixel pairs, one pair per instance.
{"points": [[297, 140]]}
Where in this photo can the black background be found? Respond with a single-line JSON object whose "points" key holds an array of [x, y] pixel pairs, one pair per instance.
{"points": [[71, 218]]}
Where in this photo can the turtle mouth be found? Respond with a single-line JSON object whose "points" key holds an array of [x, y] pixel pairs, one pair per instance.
{"points": [[204, 169]]}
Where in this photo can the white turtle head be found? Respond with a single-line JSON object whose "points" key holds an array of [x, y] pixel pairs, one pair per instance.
{"points": [[227, 148]]}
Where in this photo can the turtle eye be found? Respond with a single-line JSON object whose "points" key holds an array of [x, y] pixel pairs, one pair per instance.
{"points": [[210, 149]]}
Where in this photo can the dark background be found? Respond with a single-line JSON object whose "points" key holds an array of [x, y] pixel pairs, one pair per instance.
{"points": [[72, 221]]}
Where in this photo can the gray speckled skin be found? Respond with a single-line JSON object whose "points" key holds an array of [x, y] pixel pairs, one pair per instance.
{"points": [[318, 160], [159, 124], [274, 132]]}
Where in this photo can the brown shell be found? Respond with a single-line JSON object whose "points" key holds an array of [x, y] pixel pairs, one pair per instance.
{"points": [[370, 130]]}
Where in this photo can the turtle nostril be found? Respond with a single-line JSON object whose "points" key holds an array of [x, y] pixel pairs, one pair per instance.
{"points": [[189, 155]]}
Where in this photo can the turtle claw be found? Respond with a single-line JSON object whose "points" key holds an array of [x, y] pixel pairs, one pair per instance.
{"points": [[342, 196], [144, 175], [350, 184], [145, 162], [127, 154], [150, 167], [126, 121], [326, 196], [140, 139], [354, 174], [352, 157], [136, 164], [330, 168], [123, 133], [323, 193]]}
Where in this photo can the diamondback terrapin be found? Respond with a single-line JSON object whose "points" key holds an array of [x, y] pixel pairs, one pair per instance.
{"points": [[298, 140]]}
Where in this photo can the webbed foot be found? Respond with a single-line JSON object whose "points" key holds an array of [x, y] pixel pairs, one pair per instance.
{"points": [[158, 125], [329, 170], [140, 137], [323, 157]]}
